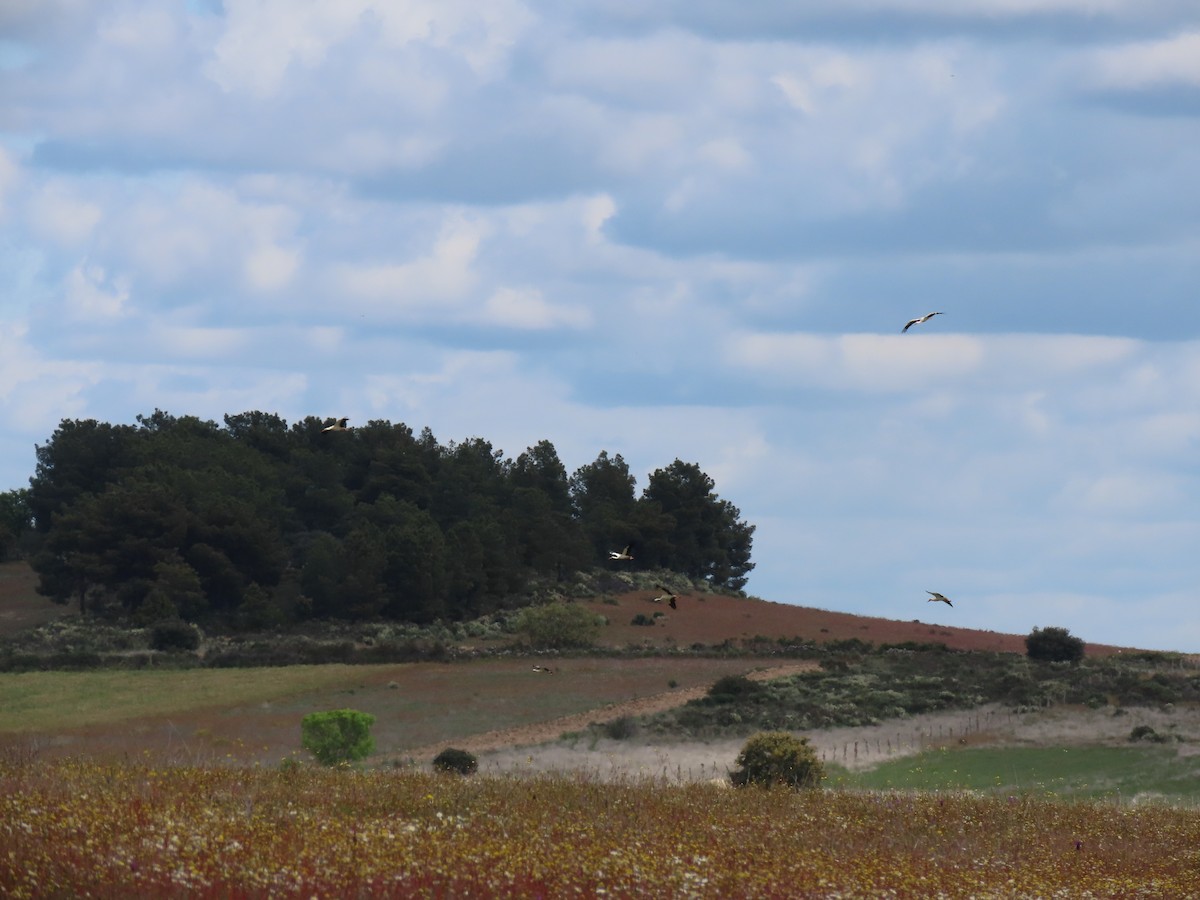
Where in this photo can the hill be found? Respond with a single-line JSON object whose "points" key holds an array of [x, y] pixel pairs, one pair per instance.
{"points": [[21, 606], [713, 619], [701, 618]]}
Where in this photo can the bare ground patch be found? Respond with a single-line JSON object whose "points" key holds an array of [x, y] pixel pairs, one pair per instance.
{"points": [[853, 748]]}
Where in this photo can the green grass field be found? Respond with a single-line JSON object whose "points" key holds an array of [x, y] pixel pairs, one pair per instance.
{"points": [[259, 710], [50, 701], [1083, 771]]}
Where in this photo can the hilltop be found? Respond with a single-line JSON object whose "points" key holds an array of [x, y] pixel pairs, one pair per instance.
{"points": [[712, 619]]}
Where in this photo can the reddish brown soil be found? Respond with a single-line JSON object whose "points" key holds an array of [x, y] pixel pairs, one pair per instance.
{"points": [[21, 606], [713, 618]]}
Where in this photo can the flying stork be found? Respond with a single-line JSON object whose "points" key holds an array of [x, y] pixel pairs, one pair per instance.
{"points": [[919, 321]]}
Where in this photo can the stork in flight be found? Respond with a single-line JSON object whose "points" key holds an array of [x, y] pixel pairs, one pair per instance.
{"points": [[339, 425], [666, 595], [919, 321], [621, 554], [938, 598]]}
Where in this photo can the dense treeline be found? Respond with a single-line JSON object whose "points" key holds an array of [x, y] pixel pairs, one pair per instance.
{"points": [[256, 523]]}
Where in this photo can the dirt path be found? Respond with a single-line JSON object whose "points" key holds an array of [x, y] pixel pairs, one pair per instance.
{"points": [[544, 732]]}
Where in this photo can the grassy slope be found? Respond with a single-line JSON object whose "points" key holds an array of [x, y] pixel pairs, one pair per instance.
{"points": [[1081, 771], [256, 712]]}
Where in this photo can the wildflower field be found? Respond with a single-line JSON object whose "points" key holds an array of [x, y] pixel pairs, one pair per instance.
{"points": [[84, 829]]}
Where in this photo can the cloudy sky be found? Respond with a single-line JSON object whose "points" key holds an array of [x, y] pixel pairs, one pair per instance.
{"points": [[666, 229]]}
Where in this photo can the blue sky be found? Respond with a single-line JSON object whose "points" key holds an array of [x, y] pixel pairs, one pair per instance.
{"points": [[667, 229]]}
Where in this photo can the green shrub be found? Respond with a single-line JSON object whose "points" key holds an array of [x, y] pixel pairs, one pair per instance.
{"points": [[174, 634], [338, 736], [776, 757], [1146, 733], [641, 619], [1053, 645], [621, 728], [734, 687], [559, 625], [453, 760]]}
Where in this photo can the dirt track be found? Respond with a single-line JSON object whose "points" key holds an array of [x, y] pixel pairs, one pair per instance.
{"points": [[544, 732]]}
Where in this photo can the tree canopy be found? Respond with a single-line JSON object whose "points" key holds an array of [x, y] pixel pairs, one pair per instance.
{"points": [[255, 522]]}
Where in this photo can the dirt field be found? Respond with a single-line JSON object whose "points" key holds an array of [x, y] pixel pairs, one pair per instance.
{"points": [[713, 618]]}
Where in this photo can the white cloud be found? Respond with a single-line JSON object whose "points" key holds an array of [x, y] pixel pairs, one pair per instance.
{"points": [[1121, 493], [9, 174], [264, 39], [444, 276], [57, 214], [90, 295], [36, 392], [513, 308], [869, 362], [269, 268], [194, 342], [1170, 61], [904, 362]]}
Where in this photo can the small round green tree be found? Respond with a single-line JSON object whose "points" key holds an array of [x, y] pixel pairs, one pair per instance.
{"points": [[776, 757], [338, 736], [454, 760], [1053, 645]]}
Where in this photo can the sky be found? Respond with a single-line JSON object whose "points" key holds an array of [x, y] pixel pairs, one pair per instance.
{"points": [[669, 229]]}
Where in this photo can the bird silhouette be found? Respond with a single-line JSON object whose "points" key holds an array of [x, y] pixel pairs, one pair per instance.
{"points": [[919, 321], [621, 554], [339, 425], [938, 598]]}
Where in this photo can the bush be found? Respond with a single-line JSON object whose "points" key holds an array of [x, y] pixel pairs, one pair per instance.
{"points": [[559, 625], [1053, 645], [776, 757], [1146, 733], [621, 728], [454, 760], [338, 736], [734, 687], [174, 634]]}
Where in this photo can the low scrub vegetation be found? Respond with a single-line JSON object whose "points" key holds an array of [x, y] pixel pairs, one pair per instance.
{"points": [[301, 831], [863, 686]]}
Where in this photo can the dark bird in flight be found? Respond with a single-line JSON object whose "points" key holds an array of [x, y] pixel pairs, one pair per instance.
{"points": [[668, 596], [921, 320], [622, 554], [339, 425], [938, 598]]}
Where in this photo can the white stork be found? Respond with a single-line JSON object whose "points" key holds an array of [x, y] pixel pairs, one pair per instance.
{"points": [[920, 321]]}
